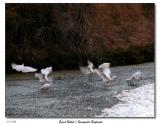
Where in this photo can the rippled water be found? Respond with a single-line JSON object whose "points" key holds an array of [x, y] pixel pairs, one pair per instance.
{"points": [[72, 94]]}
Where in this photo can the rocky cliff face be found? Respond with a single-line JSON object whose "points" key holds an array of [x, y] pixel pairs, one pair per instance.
{"points": [[53, 34]]}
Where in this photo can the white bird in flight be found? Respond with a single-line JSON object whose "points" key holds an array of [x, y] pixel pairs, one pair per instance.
{"points": [[46, 72], [22, 68], [104, 72], [134, 77]]}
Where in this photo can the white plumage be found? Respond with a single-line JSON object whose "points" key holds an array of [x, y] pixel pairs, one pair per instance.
{"points": [[44, 79], [90, 66], [105, 72], [100, 74], [104, 65], [87, 69], [132, 80], [137, 75], [22, 68], [41, 78], [46, 72]]}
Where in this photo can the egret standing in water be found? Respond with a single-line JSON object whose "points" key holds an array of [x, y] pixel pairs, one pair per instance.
{"points": [[22, 68]]}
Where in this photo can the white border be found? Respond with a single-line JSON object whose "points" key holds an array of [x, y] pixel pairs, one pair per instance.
{"points": [[80, 1], [56, 121]]}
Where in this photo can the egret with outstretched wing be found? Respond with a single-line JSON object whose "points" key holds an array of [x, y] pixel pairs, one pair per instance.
{"points": [[132, 80], [22, 68], [137, 75], [104, 72]]}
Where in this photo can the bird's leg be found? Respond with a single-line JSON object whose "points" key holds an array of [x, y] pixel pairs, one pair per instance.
{"points": [[90, 77]]}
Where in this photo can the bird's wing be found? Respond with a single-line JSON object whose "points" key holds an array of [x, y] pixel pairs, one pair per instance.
{"points": [[104, 65], [107, 72], [46, 70], [28, 69], [40, 77], [84, 70], [136, 75], [42, 71], [49, 69]]}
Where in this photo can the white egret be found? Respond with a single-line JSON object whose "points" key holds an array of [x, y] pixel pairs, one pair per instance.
{"points": [[87, 69], [46, 72], [134, 77], [104, 72], [22, 68], [137, 75]]}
